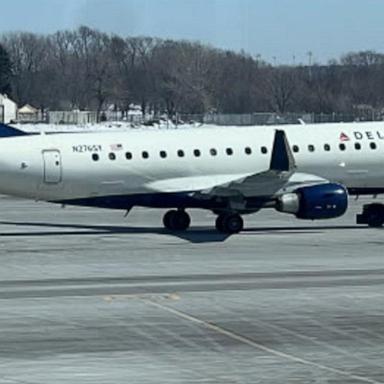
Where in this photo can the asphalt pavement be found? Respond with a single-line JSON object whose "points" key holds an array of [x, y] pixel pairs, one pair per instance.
{"points": [[89, 296]]}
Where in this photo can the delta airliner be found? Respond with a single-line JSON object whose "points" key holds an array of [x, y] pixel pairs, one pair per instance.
{"points": [[305, 170]]}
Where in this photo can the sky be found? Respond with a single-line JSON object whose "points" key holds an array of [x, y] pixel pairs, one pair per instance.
{"points": [[278, 31]]}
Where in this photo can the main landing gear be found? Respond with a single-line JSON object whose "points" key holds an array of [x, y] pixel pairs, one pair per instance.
{"points": [[229, 223], [373, 215], [226, 222], [176, 220]]}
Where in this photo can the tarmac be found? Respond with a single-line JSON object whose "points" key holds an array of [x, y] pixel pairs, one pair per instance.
{"points": [[89, 296]]}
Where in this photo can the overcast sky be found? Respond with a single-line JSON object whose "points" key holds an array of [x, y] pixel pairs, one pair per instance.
{"points": [[279, 30]]}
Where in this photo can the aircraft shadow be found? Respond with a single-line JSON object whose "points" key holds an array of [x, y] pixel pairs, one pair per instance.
{"points": [[197, 235], [194, 235]]}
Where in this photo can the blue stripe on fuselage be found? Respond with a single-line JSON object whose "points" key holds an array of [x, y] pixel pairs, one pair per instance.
{"points": [[161, 200], [154, 200], [8, 131], [179, 200]]}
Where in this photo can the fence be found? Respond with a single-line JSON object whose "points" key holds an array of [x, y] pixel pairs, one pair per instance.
{"points": [[130, 117], [275, 118], [90, 117], [72, 117], [272, 118]]}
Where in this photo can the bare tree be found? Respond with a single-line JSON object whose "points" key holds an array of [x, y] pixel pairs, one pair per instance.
{"points": [[281, 86], [88, 69], [28, 53]]}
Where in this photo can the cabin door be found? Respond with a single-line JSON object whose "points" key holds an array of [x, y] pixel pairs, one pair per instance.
{"points": [[52, 166]]}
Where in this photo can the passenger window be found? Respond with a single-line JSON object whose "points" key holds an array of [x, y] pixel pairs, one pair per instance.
{"points": [[229, 151], [196, 152], [95, 157], [112, 156], [295, 148], [247, 150], [342, 147], [163, 154], [373, 145], [327, 147], [180, 153], [213, 152], [357, 146], [145, 154], [128, 155], [264, 150], [311, 148]]}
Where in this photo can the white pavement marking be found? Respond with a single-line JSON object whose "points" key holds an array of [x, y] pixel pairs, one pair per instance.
{"points": [[256, 345]]}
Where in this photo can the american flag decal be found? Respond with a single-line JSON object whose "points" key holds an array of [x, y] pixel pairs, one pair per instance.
{"points": [[344, 137], [116, 147]]}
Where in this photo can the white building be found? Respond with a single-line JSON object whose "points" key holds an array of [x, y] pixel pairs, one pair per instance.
{"points": [[8, 109], [28, 114]]}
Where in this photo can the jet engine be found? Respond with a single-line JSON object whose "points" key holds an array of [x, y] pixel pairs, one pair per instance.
{"points": [[321, 201]]}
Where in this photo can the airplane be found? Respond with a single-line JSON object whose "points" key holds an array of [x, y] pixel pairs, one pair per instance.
{"points": [[308, 171]]}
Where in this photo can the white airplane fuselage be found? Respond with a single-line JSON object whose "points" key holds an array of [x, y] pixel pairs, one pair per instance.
{"points": [[84, 166]]}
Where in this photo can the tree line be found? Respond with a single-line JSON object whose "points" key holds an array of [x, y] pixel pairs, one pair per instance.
{"points": [[87, 69]]}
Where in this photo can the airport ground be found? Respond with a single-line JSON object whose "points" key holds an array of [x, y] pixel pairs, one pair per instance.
{"points": [[88, 296]]}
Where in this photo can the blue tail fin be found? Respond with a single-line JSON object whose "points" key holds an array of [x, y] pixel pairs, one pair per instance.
{"points": [[8, 131]]}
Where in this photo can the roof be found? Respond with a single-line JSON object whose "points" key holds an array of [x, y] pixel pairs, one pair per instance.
{"points": [[27, 108], [5, 97]]}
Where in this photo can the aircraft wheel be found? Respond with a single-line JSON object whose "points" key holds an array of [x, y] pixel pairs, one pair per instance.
{"points": [[373, 215], [229, 223], [219, 223], [176, 220], [375, 221]]}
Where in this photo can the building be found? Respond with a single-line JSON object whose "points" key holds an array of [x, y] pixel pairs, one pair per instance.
{"points": [[8, 109], [28, 114]]}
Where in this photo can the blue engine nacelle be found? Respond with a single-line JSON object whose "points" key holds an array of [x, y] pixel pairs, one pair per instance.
{"points": [[321, 201]]}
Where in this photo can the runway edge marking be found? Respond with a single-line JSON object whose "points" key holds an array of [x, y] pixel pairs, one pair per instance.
{"points": [[254, 344]]}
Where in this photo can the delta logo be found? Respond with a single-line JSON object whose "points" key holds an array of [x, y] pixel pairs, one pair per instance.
{"points": [[344, 137], [369, 135]]}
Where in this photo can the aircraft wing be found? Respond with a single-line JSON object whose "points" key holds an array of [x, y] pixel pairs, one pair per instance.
{"points": [[267, 183], [280, 177]]}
